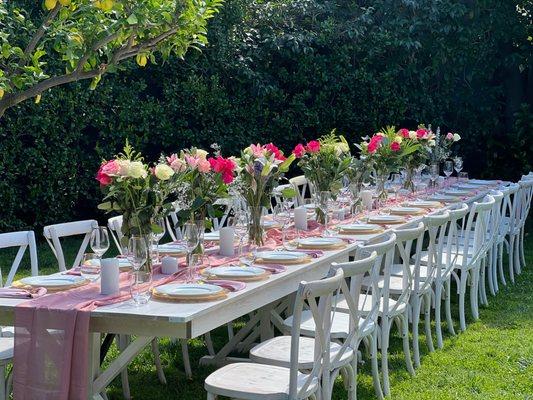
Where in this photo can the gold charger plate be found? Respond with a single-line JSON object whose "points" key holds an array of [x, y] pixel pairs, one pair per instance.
{"points": [[256, 278], [189, 299], [303, 260], [54, 289], [400, 212]]}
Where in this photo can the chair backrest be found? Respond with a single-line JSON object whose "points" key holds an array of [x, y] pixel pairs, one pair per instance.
{"points": [[475, 232], [525, 193], [507, 210], [318, 295], [299, 183], [357, 297], [405, 238], [53, 233], [495, 217], [440, 247], [22, 240], [114, 224]]}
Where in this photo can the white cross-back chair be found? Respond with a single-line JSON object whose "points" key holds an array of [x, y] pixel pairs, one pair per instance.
{"points": [[299, 183], [24, 240], [522, 209], [53, 234], [254, 381], [114, 224]]}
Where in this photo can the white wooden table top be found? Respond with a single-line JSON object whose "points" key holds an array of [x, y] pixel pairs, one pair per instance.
{"points": [[188, 320]]}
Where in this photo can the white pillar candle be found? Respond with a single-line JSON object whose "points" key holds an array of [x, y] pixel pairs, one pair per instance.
{"points": [[227, 241], [366, 199], [300, 218], [109, 273], [169, 265], [339, 214]]}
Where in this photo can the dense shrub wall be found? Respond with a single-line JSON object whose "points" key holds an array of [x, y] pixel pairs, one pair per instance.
{"points": [[284, 71]]}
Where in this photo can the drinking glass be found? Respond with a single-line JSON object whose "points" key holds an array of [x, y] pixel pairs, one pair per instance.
{"points": [[290, 238], [323, 202], [90, 267], [463, 176], [239, 223], [448, 168], [433, 174], [137, 252], [99, 240], [159, 225], [458, 165], [191, 238], [140, 287], [396, 184]]}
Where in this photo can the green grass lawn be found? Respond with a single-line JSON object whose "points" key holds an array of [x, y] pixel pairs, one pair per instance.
{"points": [[493, 359]]}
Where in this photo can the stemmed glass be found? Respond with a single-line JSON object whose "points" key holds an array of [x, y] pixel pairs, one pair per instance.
{"points": [[448, 169], [138, 255], [159, 224], [323, 200], [458, 165], [239, 223], [396, 184], [190, 240], [99, 241], [433, 174], [90, 267]]}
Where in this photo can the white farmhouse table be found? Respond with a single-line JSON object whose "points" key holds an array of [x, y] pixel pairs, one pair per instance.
{"points": [[261, 300]]}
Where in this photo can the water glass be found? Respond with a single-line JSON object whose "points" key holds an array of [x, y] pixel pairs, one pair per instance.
{"points": [[137, 252], [239, 223], [290, 238], [90, 267], [463, 176], [448, 168], [140, 287], [99, 241], [458, 165], [158, 232], [190, 240], [433, 174]]}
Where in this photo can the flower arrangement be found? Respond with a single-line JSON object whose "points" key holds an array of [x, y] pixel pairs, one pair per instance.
{"points": [[204, 181], [140, 193], [443, 143], [387, 150], [324, 163], [417, 159], [260, 168]]}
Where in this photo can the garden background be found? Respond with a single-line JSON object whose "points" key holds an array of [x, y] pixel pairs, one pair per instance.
{"points": [[285, 71]]}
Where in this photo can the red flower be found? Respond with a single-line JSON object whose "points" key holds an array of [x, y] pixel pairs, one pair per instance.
{"points": [[404, 132], [374, 143], [395, 146], [313, 146], [420, 133], [223, 166], [278, 155], [299, 150], [102, 177]]}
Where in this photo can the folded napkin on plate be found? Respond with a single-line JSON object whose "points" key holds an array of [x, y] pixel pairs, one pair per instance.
{"points": [[348, 240], [15, 293], [311, 253], [73, 271], [274, 268], [232, 286]]}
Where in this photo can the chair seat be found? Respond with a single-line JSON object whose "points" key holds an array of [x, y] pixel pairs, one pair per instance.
{"points": [[7, 345], [340, 325], [397, 270], [251, 381], [365, 305], [396, 284], [277, 351], [457, 259]]}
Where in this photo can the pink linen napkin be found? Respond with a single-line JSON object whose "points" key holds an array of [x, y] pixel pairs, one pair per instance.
{"points": [[232, 286], [274, 268], [15, 293]]}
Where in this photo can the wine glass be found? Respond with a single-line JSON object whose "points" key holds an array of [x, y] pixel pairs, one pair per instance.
{"points": [[137, 252], [159, 225], [289, 237], [90, 267], [448, 169], [191, 238], [433, 174], [239, 223], [396, 184], [140, 287], [323, 202], [99, 240], [458, 165]]}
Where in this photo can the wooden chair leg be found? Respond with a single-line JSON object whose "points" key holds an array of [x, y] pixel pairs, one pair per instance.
{"points": [[122, 344], [404, 322], [448, 306], [438, 303], [427, 322], [415, 318], [373, 339], [186, 359], [157, 362]]}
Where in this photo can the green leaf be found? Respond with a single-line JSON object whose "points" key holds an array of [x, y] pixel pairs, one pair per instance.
{"points": [[132, 19]]}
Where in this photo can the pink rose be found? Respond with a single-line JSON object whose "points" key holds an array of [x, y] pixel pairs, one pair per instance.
{"points": [[374, 143], [102, 177], [278, 155], [299, 150], [223, 166], [111, 168], [204, 166], [449, 136], [313, 146], [420, 133], [395, 146], [404, 132]]}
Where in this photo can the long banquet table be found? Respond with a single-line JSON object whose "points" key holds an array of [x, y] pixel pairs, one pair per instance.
{"points": [[189, 320]]}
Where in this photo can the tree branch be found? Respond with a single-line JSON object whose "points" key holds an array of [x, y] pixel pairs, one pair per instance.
{"points": [[96, 46]]}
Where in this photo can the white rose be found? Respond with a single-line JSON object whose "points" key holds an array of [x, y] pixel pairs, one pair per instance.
{"points": [[431, 143], [341, 148], [412, 135], [124, 169], [163, 172], [137, 170], [456, 137], [201, 153]]}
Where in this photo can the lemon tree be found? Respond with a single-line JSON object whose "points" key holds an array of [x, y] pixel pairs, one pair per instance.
{"points": [[88, 38]]}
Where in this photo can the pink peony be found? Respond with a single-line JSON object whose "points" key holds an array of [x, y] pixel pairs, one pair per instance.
{"points": [[278, 155], [204, 166], [374, 143], [404, 132], [299, 150], [103, 177], [313, 146], [223, 166], [449, 136], [421, 133], [395, 146]]}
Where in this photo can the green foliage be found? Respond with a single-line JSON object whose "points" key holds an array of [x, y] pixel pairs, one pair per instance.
{"points": [[285, 71]]}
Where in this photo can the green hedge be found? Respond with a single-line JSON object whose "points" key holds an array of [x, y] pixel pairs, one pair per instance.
{"points": [[284, 71]]}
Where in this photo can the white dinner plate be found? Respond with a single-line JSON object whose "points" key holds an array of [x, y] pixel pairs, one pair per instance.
{"points": [[423, 204], [466, 186], [320, 241], [234, 271], [482, 182], [122, 262], [406, 210], [354, 228], [310, 206], [52, 281], [456, 192], [171, 248], [188, 289], [281, 255], [444, 198], [386, 219], [269, 224], [213, 236]]}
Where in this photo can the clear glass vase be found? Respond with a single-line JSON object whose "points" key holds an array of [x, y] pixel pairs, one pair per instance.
{"points": [[200, 224], [408, 183], [255, 228], [381, 189]]}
